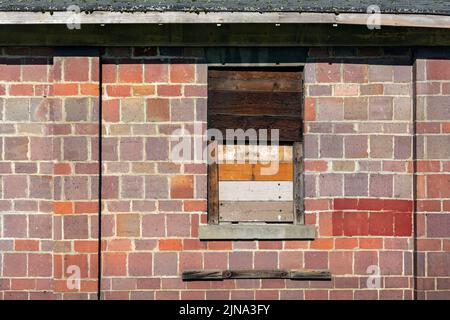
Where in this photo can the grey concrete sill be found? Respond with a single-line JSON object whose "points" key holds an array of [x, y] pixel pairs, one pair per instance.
{"points": [[257, 232]]}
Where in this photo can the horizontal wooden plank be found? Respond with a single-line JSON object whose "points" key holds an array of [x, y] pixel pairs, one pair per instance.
{"points": [[273, 171], [254, 153], [254, 211], [256, 231], [255, 79], [255, 190], [195, 17], [281, 171], [289, 128], [253, 103], [236, 172], [295, 36], [298, 274]]}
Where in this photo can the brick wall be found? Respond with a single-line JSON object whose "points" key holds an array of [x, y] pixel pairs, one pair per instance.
{"points": [[432, 72], [359, 175]]}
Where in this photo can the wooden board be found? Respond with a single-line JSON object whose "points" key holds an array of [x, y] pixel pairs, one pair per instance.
{"points": [[235, 102], [255, 190], [253, 153], [254, 211], [299, 211], [299, 274], [213, 189], [276, 171], [290, 129], [254, 79]]}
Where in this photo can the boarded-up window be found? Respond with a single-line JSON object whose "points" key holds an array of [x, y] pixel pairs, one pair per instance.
{"points": [[257, 173]]}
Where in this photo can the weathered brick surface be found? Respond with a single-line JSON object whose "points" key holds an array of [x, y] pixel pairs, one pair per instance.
{"points": [[433, 177], [359, 170]]}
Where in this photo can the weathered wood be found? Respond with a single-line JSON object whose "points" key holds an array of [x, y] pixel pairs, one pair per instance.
{"points": [[289, 128], [202, 275], [256, 211], [275, 79], [255, 190], [274, 171], [253, 103], [213, 188], [209, 35], [236, 172], [299, 212], [100, 17], [254, 153], [281, 171], [255, 231], [300, 274]]}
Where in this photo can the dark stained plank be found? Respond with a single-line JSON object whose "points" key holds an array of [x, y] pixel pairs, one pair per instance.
{"points": [[297, 154], [255, 103], [301, 274], [254, 79], [289, 128], [256, 211], [213, 189]]}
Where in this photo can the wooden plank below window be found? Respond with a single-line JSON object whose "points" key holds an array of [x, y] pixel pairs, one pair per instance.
{"points": [[255, 190], [256, 211]]}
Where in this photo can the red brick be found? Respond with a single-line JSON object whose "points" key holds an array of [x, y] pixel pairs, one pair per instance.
{"points": [[169, 90], [371, 243], [86, 207], [328, 72], [341, 262], [146, 90], [63, 207], [66, 89], [356, 223], [158, 110], [111, 111], [128, 225], [14, 264], [438, 186], [86, 246], [118, 91], [191, 261], [76, 69], [309, 109], [114, 264], [182, 187], [119, 245], [195, 205], [156, 72], [10, 72], [322, 243], [438, 70], [170, 245], [364, 259], [428, 166], [316, 260], [381, 224], [89, 89], [182, 72], [130, 73], [140, 264], [316, 165], [62, 169], [345, 243], [26, 245], [21, 90], [40, 265]]}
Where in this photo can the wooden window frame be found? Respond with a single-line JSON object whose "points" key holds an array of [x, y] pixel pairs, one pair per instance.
{"points": [[296, 230]]}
